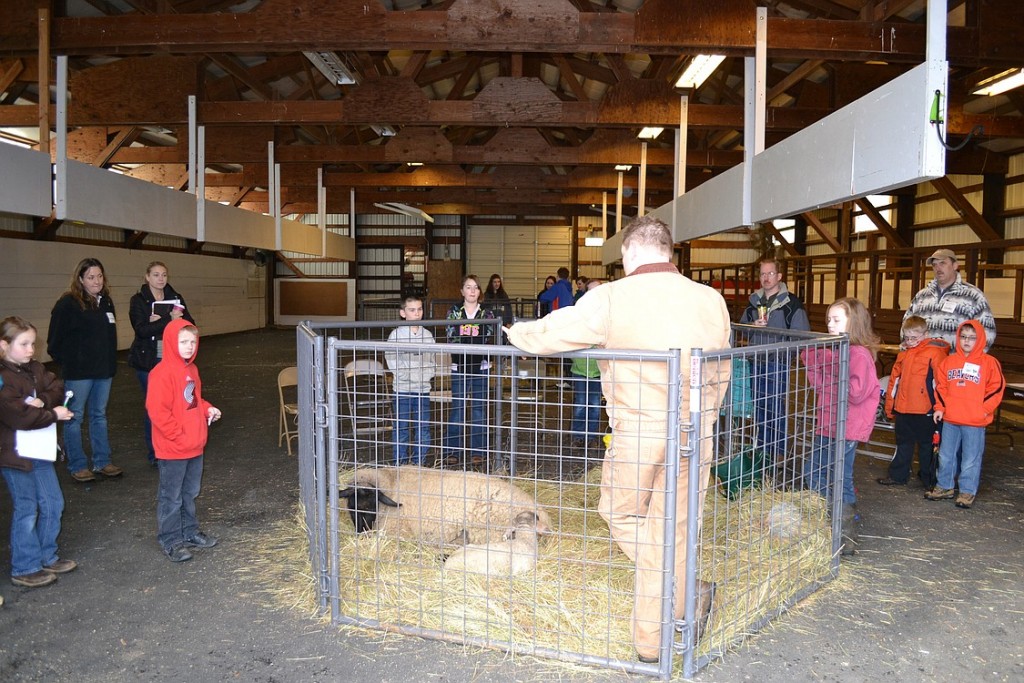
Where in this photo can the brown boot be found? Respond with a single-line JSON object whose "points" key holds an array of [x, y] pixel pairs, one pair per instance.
{"points": [[848, 527], [701, 616], [702, 610]]}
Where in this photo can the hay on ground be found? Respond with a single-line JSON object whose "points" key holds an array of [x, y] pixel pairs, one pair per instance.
{"points": [[762, 548]]}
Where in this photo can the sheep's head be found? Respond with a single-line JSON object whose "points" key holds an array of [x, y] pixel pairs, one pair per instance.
{"points": [[529, 522], [362, 504]]}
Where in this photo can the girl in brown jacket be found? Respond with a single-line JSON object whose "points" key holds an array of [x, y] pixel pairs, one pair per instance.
{"points": [[30, 399]]}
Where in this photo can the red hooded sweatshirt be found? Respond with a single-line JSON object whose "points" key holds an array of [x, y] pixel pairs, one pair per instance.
{"points": [[174, 401], [969, 387]]}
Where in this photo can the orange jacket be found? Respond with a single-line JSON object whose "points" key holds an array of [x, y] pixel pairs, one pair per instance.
{"points": [[970, 387], [911, 382]]}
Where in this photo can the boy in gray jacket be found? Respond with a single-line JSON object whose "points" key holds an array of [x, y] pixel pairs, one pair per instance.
{"points": [[413, 371]]}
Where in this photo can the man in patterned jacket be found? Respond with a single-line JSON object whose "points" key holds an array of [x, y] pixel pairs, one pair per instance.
{"points": [[947, 301]]}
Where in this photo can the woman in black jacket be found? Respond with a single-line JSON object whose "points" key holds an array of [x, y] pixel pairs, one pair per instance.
{"points": [[497, 300], [83, 340], [155, 305]]}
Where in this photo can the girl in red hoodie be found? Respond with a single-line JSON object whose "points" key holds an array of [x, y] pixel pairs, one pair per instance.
{"points": [[180, 417], [969, 387]]}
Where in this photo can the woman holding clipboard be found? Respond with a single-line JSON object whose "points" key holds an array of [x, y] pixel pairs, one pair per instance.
{"points": [[155, 305]]}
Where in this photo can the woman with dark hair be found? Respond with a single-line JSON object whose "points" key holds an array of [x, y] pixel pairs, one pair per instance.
{"points": [[497, 300], [83, 340], [543, 308], [151, 308]]}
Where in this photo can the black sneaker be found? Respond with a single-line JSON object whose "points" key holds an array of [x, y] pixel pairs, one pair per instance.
{"points": [[201, 540], [178, 553]]}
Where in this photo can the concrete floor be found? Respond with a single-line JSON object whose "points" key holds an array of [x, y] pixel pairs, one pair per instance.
{"points": [[935, 593]]}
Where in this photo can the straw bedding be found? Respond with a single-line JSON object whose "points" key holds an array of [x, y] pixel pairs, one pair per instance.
{"points": [[761, 548]]}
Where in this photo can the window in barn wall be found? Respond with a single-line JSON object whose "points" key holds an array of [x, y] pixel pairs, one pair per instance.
{"points": [[379, 271], [446, 244], [861, 223], [414, 273], [786, 228]]}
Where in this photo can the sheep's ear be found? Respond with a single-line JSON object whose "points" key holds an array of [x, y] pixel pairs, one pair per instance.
{"points": [[526, 518], [387, 500], [349, 492]]}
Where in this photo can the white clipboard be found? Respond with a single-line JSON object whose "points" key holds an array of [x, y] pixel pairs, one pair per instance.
{"points": [[37, 444]]}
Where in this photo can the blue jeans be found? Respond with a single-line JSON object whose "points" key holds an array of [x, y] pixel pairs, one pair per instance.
{"points": [[412, 414], [586, 408], [970, 441], [35, 522], [770, 389], [143, 376], [90, 400], [819, 467], [176, 500], [471, 389]]}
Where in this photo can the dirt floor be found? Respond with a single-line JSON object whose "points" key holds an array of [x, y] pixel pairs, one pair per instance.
{"points": [[935, 593]]}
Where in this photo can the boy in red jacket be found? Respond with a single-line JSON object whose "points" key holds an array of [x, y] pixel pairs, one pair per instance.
{"points": [[909, 400], [970, 387], [180, 420]]}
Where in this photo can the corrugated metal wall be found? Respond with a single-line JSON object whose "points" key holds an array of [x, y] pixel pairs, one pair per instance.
{"points": [[522, 254]]}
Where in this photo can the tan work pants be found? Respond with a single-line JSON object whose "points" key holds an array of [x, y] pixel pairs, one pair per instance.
{"points": [[632, 501]]}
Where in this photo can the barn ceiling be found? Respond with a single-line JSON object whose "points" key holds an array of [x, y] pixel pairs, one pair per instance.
{"points": [[513, 107]]}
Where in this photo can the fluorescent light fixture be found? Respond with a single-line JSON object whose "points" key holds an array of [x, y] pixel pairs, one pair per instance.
{"points": [[698, 70], [623, 167], [411, 211], [592, 240], [331, 66], [1000, 83], [414, 163], [650, 132], [783, 223], [384, 131]]}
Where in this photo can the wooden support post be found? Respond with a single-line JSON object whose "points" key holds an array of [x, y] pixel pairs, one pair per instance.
{"points": [[44, 80]]}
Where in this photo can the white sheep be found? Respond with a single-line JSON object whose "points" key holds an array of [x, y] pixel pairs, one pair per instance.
{"points": [[442, 508], [514, 555]]}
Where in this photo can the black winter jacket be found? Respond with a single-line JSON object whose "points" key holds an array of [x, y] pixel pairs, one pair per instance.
{"points": [[83, 342], [143, 354]]}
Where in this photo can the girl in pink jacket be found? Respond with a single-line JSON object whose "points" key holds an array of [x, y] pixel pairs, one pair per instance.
{"points": [[846, 316]]}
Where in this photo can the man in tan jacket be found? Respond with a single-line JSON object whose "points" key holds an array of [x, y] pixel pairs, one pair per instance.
{"points": [[657, 308]]}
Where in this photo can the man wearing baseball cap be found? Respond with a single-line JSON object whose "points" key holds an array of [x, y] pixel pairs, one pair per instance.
{"points": [[947, 301]]}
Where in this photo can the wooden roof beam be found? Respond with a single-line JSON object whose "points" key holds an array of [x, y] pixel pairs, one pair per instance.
{"points": [[345, 26], [875, 216], [965, 209], [125, 136], [819, 228]]}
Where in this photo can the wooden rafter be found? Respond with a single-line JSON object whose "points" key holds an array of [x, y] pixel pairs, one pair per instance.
{"points": [[9, 70], [975, 221], [790, 249], [346, 27], [819, 228], [125, 136], [884, 227]]}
